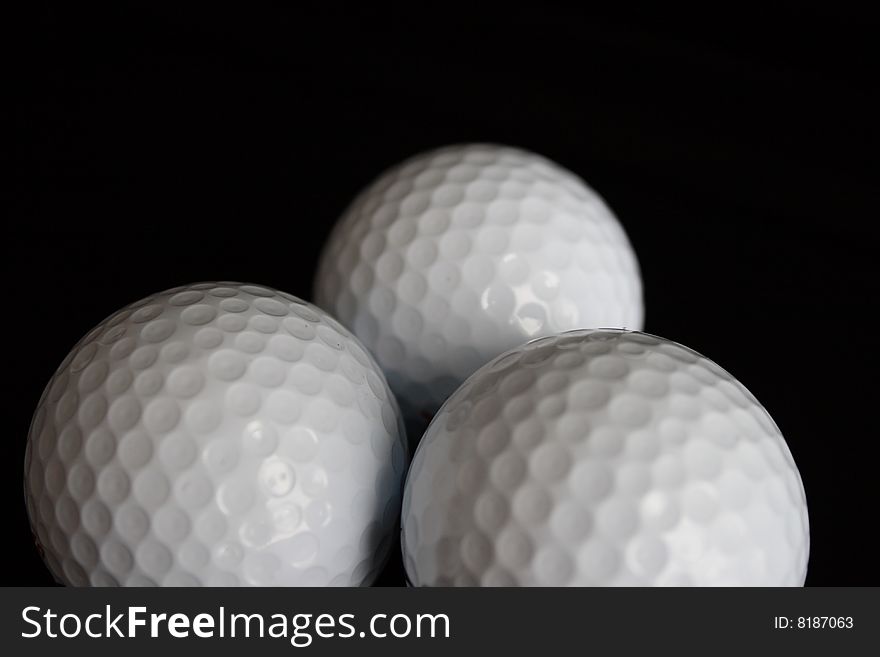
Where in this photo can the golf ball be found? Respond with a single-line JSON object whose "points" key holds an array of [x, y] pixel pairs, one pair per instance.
{"points": [[216, 434], [598, 458], [461, 253]]}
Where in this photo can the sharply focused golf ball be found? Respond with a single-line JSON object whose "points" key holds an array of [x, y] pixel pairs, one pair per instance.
{"points": [[461, 253], [216, 434], [598, 458]]}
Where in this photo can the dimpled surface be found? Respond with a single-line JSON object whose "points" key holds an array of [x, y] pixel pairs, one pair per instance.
{"points": [[461, 253], [216, 434], [598, 458]]}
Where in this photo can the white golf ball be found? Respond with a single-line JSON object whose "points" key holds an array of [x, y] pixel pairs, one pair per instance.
{"points": [[461, 253], [598, 458], [216, 434]]}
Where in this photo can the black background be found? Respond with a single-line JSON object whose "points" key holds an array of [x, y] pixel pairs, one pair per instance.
{"points": [[163, 146]]}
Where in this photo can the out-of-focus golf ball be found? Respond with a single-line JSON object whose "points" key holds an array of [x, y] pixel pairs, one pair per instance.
{"points": [[216, 434], [461, 253], [598, 458]]}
